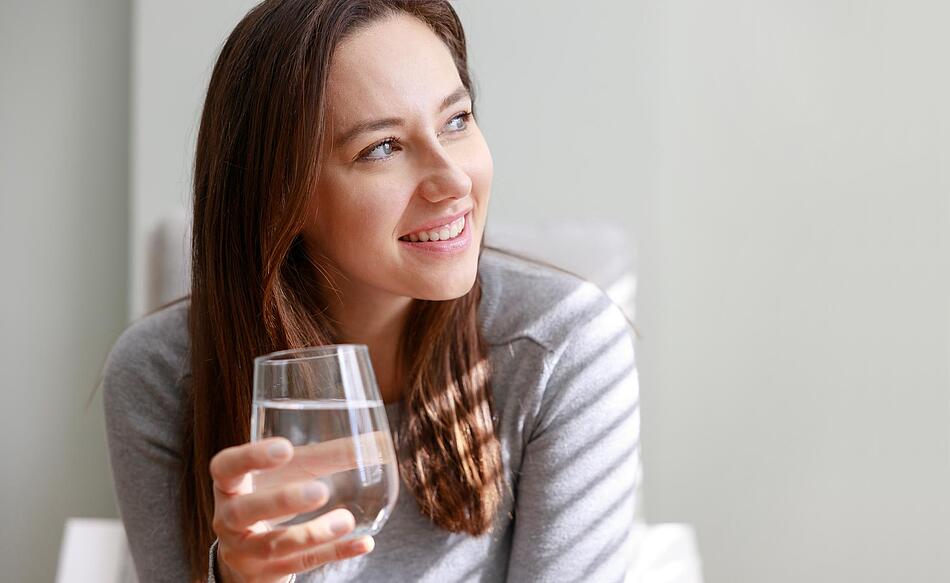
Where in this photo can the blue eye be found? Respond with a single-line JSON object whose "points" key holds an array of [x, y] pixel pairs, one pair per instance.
{"points": [[463, 118], [385, 147]]}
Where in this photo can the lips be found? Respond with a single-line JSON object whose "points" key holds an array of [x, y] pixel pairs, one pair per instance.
{"points": [[456, 243], [435, 225], [443, 233]]}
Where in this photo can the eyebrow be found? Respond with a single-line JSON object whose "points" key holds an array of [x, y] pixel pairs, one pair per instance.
{"points": [[381, 124]]}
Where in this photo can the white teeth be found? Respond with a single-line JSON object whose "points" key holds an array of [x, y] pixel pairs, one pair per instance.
{"points": [[443, 233]]}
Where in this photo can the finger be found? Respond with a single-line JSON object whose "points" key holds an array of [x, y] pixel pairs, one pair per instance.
{"points": [[321, 555], [337, 455], [241, 512], [230, 465], [302, 538]]}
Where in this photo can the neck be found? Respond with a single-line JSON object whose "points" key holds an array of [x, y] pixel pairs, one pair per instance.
{"points": [[375, 319]]}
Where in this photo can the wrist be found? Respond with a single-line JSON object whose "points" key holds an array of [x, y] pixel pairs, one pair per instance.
{"points": [[214, 575]]}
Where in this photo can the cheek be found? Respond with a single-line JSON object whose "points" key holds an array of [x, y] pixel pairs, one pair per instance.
{"points": [[364, 211]]}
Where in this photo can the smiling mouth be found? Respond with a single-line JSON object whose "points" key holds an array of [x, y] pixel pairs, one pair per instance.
{"points": [[446, 232]]}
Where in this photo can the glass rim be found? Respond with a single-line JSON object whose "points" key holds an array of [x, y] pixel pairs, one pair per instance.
{"points": [[306, 353]]}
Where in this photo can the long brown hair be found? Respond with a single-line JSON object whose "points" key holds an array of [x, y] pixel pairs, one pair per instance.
{"points": [[256, 289]]}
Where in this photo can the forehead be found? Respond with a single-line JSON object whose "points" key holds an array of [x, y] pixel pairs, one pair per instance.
{"points": [[396, 66]]}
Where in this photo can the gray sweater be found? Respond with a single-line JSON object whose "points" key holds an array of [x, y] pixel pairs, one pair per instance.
{"points": [[567, 406]]}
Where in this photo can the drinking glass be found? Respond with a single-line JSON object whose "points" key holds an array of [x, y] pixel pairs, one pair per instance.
{"points": [[326, 402]]}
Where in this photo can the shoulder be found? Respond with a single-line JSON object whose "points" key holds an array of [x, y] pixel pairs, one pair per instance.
{"points": [[146, 366], [553, 308], [564, 370], [152, 343]]}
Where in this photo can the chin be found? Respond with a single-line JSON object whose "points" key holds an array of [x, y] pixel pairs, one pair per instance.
{"points": [[446, 288]]}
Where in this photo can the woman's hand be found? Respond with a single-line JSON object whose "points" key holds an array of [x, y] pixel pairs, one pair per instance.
{"points": [[250, 553]]}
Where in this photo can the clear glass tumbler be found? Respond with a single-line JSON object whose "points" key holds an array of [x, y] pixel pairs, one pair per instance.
{"points": [[326, 402]]}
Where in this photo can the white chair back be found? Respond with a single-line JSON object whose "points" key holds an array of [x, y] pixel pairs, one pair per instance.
{"points": [[95, 550]]}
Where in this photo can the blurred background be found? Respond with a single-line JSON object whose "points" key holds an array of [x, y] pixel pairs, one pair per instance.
{"points": [[781, 169]]}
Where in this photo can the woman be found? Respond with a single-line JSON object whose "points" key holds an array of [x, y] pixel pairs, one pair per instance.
{"points": [[341, 190]]}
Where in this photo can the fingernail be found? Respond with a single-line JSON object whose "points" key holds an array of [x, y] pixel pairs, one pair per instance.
{"points": [[279, 450], [339, 524], [314, 491], [363, 545]]}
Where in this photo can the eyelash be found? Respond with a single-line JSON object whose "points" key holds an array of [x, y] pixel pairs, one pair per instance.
{"points": [[465, 116]]}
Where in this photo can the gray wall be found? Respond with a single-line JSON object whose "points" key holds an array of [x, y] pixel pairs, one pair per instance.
{"points": [[63, 237], [174, 43], [795, 351], [554, 90]]}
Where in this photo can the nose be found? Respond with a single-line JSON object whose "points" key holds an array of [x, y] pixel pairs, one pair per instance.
{"points": [[442, 177]]}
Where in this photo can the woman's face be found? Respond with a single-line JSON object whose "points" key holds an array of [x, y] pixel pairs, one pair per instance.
{"points": [[402, 162]]}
